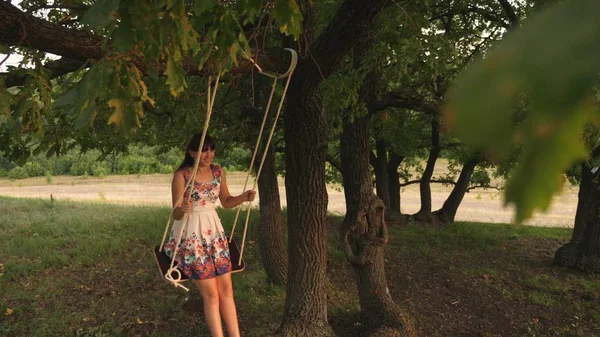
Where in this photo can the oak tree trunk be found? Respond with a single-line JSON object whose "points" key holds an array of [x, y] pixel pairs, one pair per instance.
{"points": [[305, 312], [446, 214], [424, 214], [382, 186], [395, 213], [583, 251], [387, 183], [394, 181], [305, 134], [269, 231], [364, 234]]}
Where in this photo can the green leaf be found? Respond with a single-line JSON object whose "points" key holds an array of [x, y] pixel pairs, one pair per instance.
{"points": [[188, 37], [4, 49], [101, 14], [553, 60], [136, 76], [6, 100], [83, 97], [203, 6], [86, 113], [126, 114], [69, 98], [124, 36], [552, 147], [250, 9], [205, 53], [174, 72], [149, 42], [118, 115], [288, 16]]}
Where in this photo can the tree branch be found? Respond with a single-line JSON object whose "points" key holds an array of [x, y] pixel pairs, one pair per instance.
{"points": [[73, 7], [339, 37], [510, 12], [334, 163], [24, 29], [492, 17], [372, 158], [477, 49], [452, 145], [399, 100], [440, 181], [483, 186], [57, 68], [18, 28]]}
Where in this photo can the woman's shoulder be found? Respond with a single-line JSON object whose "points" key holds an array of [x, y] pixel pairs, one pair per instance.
{"points": [[217, 170], [185, 172]]}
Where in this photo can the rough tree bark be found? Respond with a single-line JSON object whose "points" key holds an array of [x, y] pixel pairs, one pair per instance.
{"points": [[394, 190], [364, 235], [305, 311], [364, 232], [424, 214], [306, 147], [387, 181], [394, 182], [269, 231], [23, 29], [446, 214], [583, 251], [380, 163]]}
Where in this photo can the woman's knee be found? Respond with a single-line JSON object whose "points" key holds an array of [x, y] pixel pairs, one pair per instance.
{"points": [[211, 296], [225, 287], [209, 291], [226, 292]]}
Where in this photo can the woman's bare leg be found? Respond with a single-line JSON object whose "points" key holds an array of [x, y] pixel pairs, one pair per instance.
{"points": [[210, 297], [227, 305]]}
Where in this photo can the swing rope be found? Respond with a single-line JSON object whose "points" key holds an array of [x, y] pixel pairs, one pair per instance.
{"points": [[275, 77], [211, 94]]}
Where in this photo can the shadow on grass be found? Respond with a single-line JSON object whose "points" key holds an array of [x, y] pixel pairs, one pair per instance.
{"points": [[77, 269]]}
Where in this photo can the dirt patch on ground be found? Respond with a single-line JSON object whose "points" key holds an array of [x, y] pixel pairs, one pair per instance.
{"points": [[486, 282], [154, 189], [510, 289]]}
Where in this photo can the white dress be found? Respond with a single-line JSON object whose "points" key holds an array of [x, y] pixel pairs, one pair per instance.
{"points": [[203, 252]]}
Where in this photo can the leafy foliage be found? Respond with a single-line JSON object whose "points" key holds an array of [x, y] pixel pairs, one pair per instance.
{"points": [[136, 160], [142, 41], [554, 60]]}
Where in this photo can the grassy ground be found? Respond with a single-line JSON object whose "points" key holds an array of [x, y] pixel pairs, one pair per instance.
{"points": [[80, 269]]}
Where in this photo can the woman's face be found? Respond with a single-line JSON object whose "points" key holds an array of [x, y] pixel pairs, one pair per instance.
{"points": [[206, 157]]}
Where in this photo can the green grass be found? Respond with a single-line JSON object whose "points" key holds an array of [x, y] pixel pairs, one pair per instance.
{"points": [[86, 269], [469, 235], [546, 283]]}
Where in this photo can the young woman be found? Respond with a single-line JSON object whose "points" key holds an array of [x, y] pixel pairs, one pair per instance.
{"points": [[203, 252]]}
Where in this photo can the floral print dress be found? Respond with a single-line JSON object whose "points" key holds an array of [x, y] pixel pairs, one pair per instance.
{"points": [[203, 252]]}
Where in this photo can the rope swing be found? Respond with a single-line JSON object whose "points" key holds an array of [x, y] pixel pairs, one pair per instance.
{"points": [[167, 266]]}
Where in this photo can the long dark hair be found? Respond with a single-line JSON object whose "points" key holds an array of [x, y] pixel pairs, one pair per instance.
{"points": [[193, 144]]}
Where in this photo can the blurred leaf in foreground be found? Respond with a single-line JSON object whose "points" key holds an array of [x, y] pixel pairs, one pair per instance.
{"points": [[554, 60]]}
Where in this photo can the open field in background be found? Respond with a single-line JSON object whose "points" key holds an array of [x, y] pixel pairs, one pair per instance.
{"points": [[478, 205], [87, 270]]}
